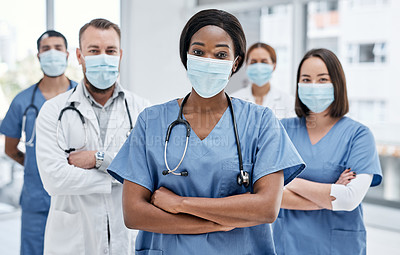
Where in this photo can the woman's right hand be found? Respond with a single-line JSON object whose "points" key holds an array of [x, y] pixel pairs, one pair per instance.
{"points": [[346, 177]]}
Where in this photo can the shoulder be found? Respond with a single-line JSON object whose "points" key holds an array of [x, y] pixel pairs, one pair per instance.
{"points": [[57, 102], [354, 129], [25, 95], [291, 122]]}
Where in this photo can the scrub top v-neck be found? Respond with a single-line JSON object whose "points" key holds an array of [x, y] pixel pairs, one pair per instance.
{"points": [[348, 144], [212, 164]]}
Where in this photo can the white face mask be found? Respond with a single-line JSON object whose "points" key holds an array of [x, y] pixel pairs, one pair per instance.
{"points": [[316, 96], [53, 62], [208, 76]]}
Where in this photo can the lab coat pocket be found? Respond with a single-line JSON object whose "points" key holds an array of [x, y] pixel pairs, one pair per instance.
{"points": [[228, 184], [64, 234], [149, 252], [349, 242]]}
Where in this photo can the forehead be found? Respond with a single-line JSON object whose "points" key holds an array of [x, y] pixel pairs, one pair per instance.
{"points": [[260, 53], [212, 35], [100, 37], [313, 65], [53, 40]]}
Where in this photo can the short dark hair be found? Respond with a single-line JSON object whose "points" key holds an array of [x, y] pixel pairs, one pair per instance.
{"points": [[226, 21], [266, 47], [51, 33], [340, 105], [99, 24]]}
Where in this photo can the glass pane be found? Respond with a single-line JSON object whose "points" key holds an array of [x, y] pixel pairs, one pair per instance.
{"points": [[366, 53], [71, 15]]}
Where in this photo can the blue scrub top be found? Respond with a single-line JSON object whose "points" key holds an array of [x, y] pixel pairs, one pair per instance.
{"points": [[33, 196], [213, 167], [348, 144]]}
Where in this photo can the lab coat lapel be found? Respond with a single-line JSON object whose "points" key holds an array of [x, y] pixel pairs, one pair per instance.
{"points": [[116, 121], [83, 105]]}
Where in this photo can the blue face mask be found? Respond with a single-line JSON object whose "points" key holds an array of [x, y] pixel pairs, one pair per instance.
{"points": [[208, 76], [259, 73], [102, 70], [316, 96], [53, 62]]}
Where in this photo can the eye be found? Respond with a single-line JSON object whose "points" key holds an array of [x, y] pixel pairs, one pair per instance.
{"points": [[111, 52], [222, 55], [197, 52], [305, 80], [323, 80], [93, 51]]}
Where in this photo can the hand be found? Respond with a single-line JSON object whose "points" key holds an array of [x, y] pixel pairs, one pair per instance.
{"points": [[82, 159], [346, 177], [166, 200]]}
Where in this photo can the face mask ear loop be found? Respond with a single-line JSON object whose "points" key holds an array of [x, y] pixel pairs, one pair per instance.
{"points": [[233, 63]]}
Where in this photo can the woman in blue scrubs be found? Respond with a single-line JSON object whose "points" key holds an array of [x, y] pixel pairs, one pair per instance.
{"points": [[200, 208], [322, 212]]}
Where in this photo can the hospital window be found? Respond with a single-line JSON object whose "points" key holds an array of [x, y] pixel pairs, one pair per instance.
{"points": [[367, 53], [368, 110], [357, 4]]}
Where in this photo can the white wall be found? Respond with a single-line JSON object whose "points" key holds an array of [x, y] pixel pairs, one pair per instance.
{"points": [[151, 65]]}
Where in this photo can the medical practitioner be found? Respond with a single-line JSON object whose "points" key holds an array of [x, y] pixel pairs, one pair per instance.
{"points": [[260, 65], [19, 126], [322, 211], [78, 134], [217, 181]]}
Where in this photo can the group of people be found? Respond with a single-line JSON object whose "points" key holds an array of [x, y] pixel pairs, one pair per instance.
{"points": [[95, 168]]}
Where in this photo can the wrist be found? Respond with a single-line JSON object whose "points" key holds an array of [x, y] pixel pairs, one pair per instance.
{"points": [[99, 158]]}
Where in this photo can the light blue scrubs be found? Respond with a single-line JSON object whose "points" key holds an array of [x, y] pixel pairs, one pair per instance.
{"points": [[213, 168], [34, 200], [348, 144]]}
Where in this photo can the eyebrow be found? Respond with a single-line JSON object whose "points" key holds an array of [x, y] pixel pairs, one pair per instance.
{"points": [[217, 45], [321, 74]]}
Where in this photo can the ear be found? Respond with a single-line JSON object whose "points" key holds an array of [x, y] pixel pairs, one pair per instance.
{"points": [[37, 55], [79, 55], [236, 63], [67, 54], [120, 55], [274, 67]]}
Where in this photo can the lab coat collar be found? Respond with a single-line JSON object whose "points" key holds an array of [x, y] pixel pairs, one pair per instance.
{"points": [[272, 93]]}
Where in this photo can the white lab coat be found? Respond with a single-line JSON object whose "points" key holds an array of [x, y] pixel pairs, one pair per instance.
{"points": [[84, 203], [281, 103]]}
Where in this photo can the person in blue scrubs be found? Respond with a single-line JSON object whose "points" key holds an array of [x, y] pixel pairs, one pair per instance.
{"points": [[200, 208], [321, 208], [20, 120]]}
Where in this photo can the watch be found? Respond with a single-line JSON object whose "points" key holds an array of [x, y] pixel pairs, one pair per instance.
{"points": [[99, 158]]}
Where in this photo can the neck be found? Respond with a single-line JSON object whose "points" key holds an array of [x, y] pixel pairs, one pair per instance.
{"points": [[258, 91], [56, 84], [320, 120], [102, 97], [198, 104]]}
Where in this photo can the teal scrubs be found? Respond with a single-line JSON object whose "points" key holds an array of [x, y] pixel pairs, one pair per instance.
{"points": [[213, 167], [348, 144], [34, 200]]}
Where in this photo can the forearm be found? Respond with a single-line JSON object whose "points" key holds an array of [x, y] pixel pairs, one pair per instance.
{"points": [[145, 216], [318, 193], [243, 210], [17, 155], [11, 150], [293, 201]]}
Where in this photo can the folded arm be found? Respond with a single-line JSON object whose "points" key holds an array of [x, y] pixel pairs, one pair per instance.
{"points": [[58, 176], [140, 214], [243, 210]]}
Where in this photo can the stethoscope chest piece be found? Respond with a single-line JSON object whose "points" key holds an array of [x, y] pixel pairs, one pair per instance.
{"points": [[243, 178]]}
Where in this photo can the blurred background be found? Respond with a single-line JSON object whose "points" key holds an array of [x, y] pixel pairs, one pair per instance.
{"points": [[363, 33]]}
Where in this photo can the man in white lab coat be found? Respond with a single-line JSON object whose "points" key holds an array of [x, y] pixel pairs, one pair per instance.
{"points": [[74, 150]]}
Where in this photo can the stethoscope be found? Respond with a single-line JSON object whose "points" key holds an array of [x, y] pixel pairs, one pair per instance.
{"points": [[243, 177], [72, 107], [33, 107]]}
